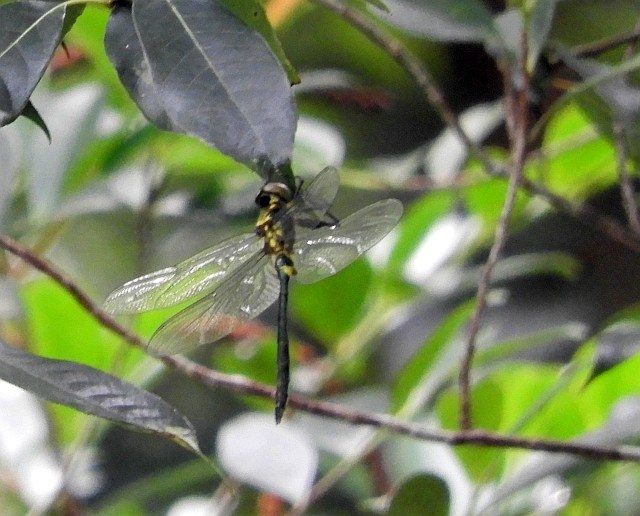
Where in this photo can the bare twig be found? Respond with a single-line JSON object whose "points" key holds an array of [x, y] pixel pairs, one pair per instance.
{"points": [[626, 186], [242, 385], [413, 66], [598, 47], [517, 125], [587, 215]]}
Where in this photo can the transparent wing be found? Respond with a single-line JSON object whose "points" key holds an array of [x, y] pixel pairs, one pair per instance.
{"points": [[199, 274], [244, 295], [326, 250], [315, 197]]}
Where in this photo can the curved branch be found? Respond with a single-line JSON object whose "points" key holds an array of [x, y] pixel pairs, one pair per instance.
{"points": [[242, 385]]}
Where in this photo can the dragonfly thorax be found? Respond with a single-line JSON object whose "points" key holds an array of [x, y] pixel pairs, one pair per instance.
{"points": [[275, 226]]}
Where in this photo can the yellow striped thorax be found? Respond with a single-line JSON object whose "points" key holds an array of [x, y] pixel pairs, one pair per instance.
{"points": [[276, 226]]}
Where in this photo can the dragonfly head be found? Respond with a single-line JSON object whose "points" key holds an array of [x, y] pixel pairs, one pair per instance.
{"points": [[274, 194]]}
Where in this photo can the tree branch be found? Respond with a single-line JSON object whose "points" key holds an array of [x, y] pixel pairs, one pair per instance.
{"points": [[242, 385], [517, 125], [415, 69]]}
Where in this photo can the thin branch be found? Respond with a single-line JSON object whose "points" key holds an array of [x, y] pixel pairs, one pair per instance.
{"points": [[414, 68], [598, 47], [586, 214], [626, 185], [517, 125], [242, 385]]}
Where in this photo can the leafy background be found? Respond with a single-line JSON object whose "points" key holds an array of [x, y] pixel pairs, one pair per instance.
{"points": [[112, 196]]}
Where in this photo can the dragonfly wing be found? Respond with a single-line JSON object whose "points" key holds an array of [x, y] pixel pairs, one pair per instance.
{"points": [[326, 250], [195, 275], [244, 295], [316, 197]]}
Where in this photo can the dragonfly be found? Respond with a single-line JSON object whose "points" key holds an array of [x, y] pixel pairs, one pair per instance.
{"points": [[234, 281]]}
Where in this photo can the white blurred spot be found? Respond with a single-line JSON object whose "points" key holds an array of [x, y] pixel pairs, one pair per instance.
{"points": [[447, 153], [195, 506], [551, 495], [445, 238], [24, 450], [317, 145], [279, 459], [379, 253]]}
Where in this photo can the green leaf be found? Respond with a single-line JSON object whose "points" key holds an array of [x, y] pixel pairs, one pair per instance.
{"points": [[578, 160], [423, 375], [93, 392], [364, 4], [339, 299], [421, 494], [30, 31], [216, 79], [488, 407], [619, 94], [60, 328], [609, 387]]}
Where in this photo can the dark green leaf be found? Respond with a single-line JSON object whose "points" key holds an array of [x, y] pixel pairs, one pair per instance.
{"points": [[30, 31], [422, 494], [621, 97], [125, 51], [94, 392], [217, 79], [32, 114]]}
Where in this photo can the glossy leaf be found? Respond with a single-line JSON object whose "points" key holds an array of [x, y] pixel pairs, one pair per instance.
{"points": [[578, 160], [95, 392], [620, 96], [29, 33], [201, 59]]}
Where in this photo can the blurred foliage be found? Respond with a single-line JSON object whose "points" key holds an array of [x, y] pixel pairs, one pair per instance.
{"points": [[113, 197]]}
